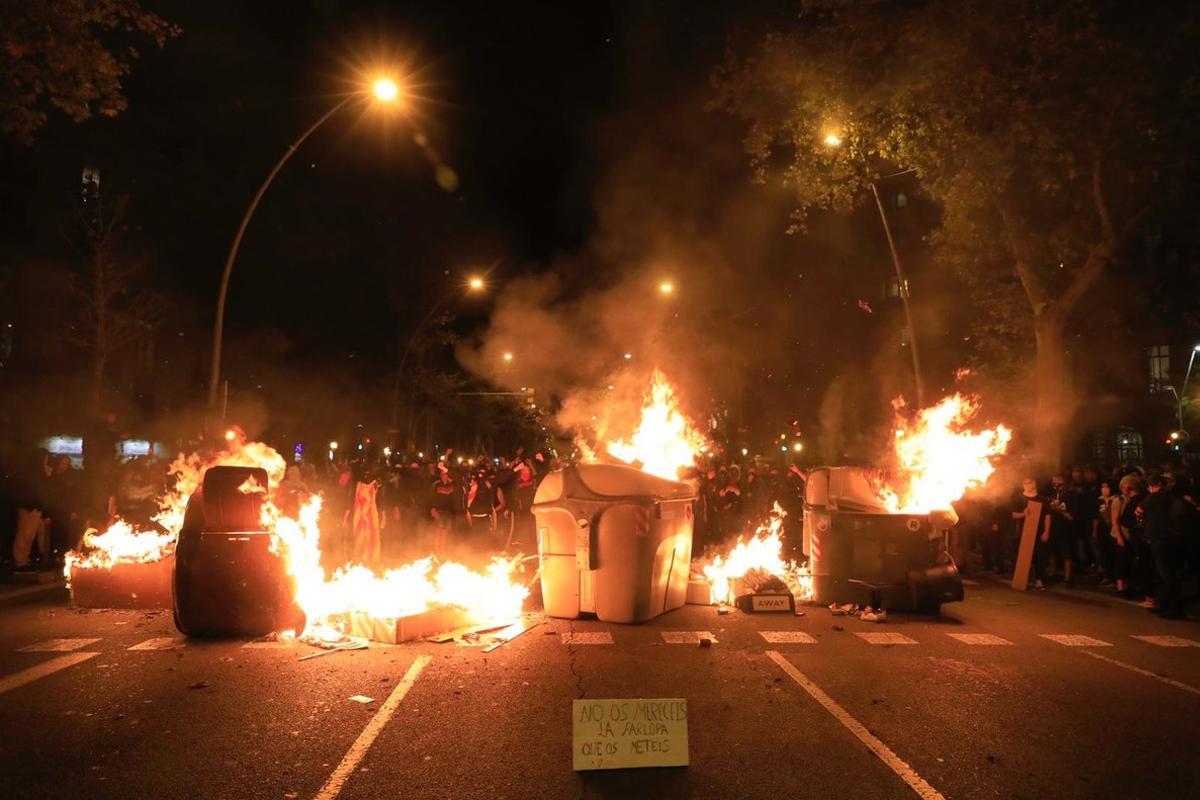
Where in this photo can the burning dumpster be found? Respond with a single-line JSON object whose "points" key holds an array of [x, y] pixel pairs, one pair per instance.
{"points": [[613, 541], [860, 553], [228, 581]]}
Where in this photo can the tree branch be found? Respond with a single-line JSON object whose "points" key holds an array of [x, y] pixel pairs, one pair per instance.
{"points": [[1035, 289], [1101, 203], [1098, 258]]}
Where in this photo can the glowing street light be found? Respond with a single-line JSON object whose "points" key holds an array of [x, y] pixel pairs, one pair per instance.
{"points": [[508, 357], [333, 445], [797, 447], [628, 356], [666, 288], [832, 140], [230, 434], [386, 90], [475, 284]]}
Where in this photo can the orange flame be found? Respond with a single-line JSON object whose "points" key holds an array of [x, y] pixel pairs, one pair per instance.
{"points": [[665, 441], [761, 552], [493, 594], [490, 594], [937, 459]]}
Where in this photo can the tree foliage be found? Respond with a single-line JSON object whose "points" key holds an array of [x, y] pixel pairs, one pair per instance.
{"points": [[1046, 129], [70, 55]]}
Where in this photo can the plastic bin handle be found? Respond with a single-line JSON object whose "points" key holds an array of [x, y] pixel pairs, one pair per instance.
{"points": [[585, 544]]}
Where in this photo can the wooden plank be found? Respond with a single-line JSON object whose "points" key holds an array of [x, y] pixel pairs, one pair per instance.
{"points": [[1029, 534]]}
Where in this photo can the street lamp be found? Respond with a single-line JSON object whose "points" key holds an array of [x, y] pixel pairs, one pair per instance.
{"points": [[1183, 387], [666, 288], [474, 285], [833, 140], [508, 357], [384, 90]]}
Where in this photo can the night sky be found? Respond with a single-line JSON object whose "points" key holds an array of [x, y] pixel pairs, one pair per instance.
{"points": [[584, 145]]}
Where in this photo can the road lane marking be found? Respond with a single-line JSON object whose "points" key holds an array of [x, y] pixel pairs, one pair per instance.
{"points": [[1140, 671], [885, 638], [587, 638], [1074, 640], [978, 638], [969, 582], [160, 643], [57, 646], [1168, 641], [787, 637], [893, 761], [363, 743], [24, 590], [686, 637], [17, 679]]}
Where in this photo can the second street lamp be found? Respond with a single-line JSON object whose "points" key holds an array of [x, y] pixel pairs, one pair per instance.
{"points": [[384, 90]]}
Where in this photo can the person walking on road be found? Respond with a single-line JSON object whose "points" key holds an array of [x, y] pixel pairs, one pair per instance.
{"points": [[1162, 517]]}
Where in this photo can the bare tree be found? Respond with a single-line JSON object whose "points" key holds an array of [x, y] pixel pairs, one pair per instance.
{"points": [[117, 310]]}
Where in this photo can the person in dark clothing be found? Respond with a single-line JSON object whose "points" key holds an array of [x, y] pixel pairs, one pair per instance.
{"points": [[445, 505], [1162, 514], [1064, 540], [100, 469], [523, 489]]}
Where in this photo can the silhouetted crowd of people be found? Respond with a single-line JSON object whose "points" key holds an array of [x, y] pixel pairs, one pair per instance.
{"points": [[1137, 531]]}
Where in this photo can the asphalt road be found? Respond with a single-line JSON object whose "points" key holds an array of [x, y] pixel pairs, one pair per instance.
{"points": [[926, 715]]}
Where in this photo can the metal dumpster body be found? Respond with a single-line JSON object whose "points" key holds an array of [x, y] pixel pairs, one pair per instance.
{"points": [[227, 581], [860, 553], [613, 541]]}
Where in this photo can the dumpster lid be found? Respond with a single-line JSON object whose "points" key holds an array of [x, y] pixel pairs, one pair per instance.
{"points": [[843, 489], [230, 503], [602, 481]]}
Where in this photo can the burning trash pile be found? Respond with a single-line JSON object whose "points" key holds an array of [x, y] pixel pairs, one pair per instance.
{"points": [[416, 599], [753, 575]]}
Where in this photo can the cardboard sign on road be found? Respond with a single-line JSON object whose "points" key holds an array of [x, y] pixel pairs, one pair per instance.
{"points": [[618, 734]]}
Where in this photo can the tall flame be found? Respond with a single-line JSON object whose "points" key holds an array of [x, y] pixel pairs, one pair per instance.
{"points": [[761, 553], [937, 458], [664, 441]]}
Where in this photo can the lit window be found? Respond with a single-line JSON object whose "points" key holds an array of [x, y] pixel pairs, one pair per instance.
{"points": [[897, 289], [901, 200], [1160, 368]]}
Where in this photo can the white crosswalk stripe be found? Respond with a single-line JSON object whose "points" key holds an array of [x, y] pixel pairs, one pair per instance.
{"points": [[1168, 641], [978, 638], [582, 637], [885, 638], [787, 637], [160, 643], [687, 637], [1074, 640], [57, 646]]}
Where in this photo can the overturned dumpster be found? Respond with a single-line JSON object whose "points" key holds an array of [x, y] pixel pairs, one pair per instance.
{"points": [[613, 541], [860, 553], [228, 581]]}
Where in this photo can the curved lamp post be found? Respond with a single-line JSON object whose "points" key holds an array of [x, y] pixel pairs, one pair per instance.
{"points": [[384, 90]]}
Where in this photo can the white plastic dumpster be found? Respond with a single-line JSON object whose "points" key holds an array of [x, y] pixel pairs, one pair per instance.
{"points": [[613, 541]]}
